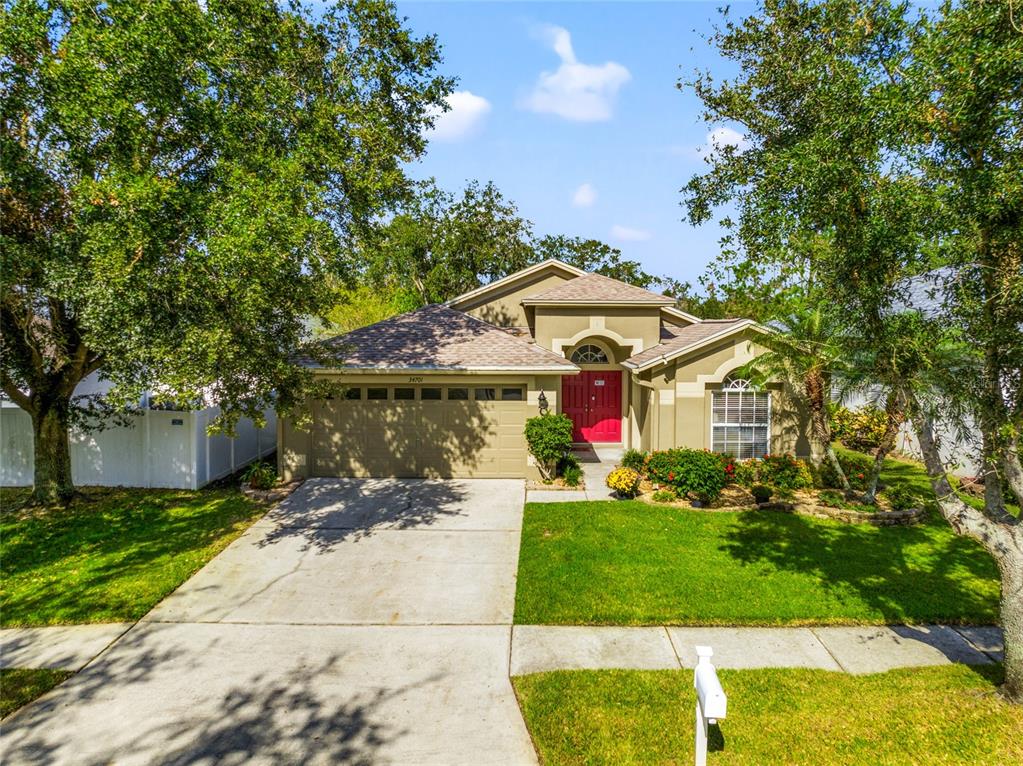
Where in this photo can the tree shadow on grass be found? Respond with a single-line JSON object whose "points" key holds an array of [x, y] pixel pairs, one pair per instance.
{"points": [[917, 574]]}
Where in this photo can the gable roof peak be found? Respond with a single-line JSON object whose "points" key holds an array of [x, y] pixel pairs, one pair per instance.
{"points": [[593, 288]]}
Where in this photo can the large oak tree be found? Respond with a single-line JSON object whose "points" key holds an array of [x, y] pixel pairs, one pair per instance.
{"points": [[177, 180]]}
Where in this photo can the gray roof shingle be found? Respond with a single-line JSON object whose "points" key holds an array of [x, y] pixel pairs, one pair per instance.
{"points": [[596, 288], [437, 338], [684, 337]]}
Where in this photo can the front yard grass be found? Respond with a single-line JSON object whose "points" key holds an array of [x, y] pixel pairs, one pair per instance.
{"points": [[19, 686], [111, 555], [632, 563], [940, 715]]}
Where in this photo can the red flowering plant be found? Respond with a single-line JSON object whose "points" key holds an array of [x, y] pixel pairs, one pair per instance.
{"points": [[700, 474]]}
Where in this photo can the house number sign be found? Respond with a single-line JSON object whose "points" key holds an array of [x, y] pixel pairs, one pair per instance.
{"points": [[415, 379], [598, 382]]}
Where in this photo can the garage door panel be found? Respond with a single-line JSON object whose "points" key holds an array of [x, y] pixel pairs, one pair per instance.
{"points": [[418, 438]]}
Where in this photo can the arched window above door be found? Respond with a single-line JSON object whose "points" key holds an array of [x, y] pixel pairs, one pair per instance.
{"points": [[589, 354]]}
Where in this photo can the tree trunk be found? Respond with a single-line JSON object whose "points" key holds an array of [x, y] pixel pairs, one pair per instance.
{"points": [[1012, 623], [1002, 537], [52, 481], [816, 385], [895, 417]]}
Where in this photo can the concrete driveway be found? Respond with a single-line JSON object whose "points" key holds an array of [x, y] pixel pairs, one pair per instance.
{"points": [[361, 621]]}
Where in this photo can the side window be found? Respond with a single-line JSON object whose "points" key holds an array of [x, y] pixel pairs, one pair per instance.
{"points": [[512, 394], [486, 394], [376, 393], [458, 394]]}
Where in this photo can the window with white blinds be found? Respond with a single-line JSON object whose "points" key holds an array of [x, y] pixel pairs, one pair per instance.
{"points": [[741, 420]]}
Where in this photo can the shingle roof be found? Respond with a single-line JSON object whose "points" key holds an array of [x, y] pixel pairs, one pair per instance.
{"points": [[596, 288], [437, 337], [684, 338]]}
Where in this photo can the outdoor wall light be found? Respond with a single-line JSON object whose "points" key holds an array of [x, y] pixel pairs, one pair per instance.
{"points": [[541, 400]]}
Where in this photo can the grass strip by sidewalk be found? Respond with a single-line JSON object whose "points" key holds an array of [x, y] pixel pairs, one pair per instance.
{"points": [[632, 563], [19, 686], [112, 554], [942, 715]]}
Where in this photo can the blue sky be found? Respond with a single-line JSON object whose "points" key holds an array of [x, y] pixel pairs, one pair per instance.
{"points": [[572, 110]]}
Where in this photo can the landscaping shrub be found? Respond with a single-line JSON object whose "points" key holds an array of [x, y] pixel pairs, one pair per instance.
{"points": [[861, 429], [856, 467], [624, 481], [746, 473], [570, 470], [831, 498], [902, 497], [634, 459], [785, 472], [260, 476], [689, 471], [549, 438], [761, 492], [665, 496]]}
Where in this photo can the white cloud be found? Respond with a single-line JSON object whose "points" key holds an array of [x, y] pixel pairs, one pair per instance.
{"points": [[625, 234], [584, 196], [719, 138], [575, 91], [462, 120]]}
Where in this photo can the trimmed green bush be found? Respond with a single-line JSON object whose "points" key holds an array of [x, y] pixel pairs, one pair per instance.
{"points": [[549, 438], [761, 492], [785, 472], [697, 472], [634, 459]]}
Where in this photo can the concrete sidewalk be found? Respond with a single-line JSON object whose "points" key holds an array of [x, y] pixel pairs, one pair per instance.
{"points": [[67, 647], [596, 462], [862, 649]]}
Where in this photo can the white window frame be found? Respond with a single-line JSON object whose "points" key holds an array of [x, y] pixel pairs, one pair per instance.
{"points": [[732, 384], [588, 346]]}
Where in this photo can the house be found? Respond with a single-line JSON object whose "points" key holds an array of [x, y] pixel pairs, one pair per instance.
{"points": [[157, 447], [446, 390]]}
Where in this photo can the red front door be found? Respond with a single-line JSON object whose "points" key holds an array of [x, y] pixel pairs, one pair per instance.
{"points": [[594, 402]]}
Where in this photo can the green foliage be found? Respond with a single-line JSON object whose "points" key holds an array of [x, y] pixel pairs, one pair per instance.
{"points": [[640, 716], [365, 305], [591, 255], [260, 475], [179, 179], [665, 496], [624, 482], [746, 473], [700, 473], [785, 472], [570, 470], [761, 492], [861, 429], [19, 686], [902, 497], [857, 469], [634, 459], [111, 555], [549, 438], [831, 498]]}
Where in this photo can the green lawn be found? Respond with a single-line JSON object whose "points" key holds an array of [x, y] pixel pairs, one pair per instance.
{"points": [[19, 686], [631, 563], [111, 555], [940, 715]]}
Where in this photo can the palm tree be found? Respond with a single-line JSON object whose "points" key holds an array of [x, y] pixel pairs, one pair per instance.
{"points": [[807, 350]]}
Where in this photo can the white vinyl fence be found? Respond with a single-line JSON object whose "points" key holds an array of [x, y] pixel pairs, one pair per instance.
{"points": [[159, 449]]}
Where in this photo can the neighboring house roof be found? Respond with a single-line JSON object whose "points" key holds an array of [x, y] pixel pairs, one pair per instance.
{"points": [[597, 289], [438, 338], [688, 339], [551, 264]]}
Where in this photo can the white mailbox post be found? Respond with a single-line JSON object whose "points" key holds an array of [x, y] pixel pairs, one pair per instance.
{"points": [[711, 702]]}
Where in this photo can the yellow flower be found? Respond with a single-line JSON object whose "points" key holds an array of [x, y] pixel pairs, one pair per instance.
{"points": [[624, 481]]}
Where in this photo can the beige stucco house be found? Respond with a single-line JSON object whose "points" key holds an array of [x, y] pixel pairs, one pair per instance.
{"points": [[446, 390]]}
